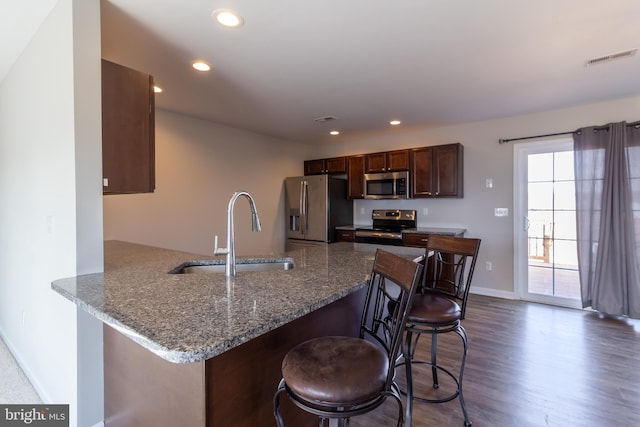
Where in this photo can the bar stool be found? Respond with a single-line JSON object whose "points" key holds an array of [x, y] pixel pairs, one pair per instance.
{"points": [[439, 308], [339, 377]]}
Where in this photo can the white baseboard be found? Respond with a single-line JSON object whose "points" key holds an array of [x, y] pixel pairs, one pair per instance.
{"points": [[492, 293], [37, 386]]}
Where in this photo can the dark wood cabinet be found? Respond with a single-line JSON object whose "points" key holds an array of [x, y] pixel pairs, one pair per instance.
{"points": [[336, 165], [314, 167], [128, 130], [345, 235], [387, 162], [416, 240], [333, 165], [355, 177], [437, 171]]}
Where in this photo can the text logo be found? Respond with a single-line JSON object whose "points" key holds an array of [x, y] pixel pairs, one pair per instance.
{"points": [[34, 415]]}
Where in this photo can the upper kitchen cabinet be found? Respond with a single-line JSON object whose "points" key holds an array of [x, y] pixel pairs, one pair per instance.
{"points": [[128, 130], [437, 171], [355, 177], [334, 165], [387, 162]]}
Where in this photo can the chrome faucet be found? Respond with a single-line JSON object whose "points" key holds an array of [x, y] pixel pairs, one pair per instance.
{"points": [[230, 250]]}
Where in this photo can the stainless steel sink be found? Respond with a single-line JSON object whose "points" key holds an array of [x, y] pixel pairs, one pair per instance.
{"points": [[251, 264]]}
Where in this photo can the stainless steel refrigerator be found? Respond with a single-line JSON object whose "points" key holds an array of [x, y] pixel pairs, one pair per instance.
{"points": [[315, 205]]}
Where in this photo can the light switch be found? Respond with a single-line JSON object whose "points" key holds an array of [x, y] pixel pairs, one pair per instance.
{"points": [[488, 182], [50, 224]]}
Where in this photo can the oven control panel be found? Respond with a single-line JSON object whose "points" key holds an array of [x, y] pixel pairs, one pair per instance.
{"points": [[393, 214]]}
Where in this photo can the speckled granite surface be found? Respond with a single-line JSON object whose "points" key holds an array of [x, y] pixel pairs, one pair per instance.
{"points": [[192, 317], [453, 231], [438, 230]]}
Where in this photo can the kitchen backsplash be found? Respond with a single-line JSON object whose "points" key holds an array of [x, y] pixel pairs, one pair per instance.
{"points": [[430, 213]]}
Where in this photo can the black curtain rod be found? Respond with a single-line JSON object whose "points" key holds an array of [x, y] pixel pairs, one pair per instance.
{"points": [[504, 141]]}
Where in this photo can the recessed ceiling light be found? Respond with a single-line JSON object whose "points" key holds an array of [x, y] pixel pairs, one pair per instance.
{"points": [[335, 132], [201, 66], [228, 18], [395, 122], [157, 89]]}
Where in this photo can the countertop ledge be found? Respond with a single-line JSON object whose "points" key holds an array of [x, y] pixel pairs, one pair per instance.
{"points": [[187, 318], [446, 231]]}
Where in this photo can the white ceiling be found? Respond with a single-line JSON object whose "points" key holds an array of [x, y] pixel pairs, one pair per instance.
{"points": [[425, 62]]}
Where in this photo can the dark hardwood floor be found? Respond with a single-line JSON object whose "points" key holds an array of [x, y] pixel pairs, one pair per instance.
{"points": [[533, 365]]}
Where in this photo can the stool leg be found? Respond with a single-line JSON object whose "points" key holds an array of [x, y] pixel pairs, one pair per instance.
{"points": [[434, 363], [276, 404], [465, 342], [408, 357]]}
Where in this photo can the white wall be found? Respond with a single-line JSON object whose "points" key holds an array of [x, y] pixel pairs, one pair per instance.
{"points": [[199, 165], [50, 223], [483, 158]]}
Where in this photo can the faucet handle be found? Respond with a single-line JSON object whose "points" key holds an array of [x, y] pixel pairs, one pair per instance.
{"points": [[217, 250]]}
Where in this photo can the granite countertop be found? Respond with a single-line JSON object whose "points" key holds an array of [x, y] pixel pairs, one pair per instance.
{"points": [[192, 317], [437, 230], [447, 231]]}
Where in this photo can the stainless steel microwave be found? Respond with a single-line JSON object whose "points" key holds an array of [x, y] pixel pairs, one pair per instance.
{"points": [[387, 185]]}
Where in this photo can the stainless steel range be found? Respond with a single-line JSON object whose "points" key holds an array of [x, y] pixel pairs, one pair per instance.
{"points": [[387, 227]]}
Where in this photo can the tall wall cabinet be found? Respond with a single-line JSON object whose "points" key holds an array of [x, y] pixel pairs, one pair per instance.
{"points": [[355, 177], [128, 124]]}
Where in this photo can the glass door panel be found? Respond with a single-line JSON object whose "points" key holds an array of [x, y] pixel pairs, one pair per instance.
{"points": [[546, 256]]}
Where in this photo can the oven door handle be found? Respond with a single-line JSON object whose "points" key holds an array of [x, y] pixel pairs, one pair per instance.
{"points": [[379, 234]]}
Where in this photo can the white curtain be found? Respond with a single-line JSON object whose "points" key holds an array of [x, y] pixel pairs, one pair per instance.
{"points": [[607, 174]]}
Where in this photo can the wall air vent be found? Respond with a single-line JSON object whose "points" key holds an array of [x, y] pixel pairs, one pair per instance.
{"points": [[325, 119], [611, 57]]}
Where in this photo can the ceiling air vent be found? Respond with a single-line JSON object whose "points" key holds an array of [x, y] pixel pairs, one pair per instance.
{"points": [[611, 57], [325, 119]]}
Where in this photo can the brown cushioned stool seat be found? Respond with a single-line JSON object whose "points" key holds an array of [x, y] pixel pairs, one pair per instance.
{"points": [[434, 309], [334, 371]]}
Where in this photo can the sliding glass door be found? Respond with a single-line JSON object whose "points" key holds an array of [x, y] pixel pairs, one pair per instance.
{"points": [[546, 262]]}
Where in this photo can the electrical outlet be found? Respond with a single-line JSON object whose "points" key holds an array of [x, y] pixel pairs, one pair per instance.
{"points": [[501, 211], [488, 265], [488, 182], [425, 211]]}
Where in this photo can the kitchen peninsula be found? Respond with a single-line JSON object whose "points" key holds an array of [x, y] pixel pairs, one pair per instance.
{"points": [[198, 350]]}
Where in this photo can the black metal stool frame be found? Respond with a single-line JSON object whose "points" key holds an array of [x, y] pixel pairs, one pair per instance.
{"points": [[377, 326], [447, 278]]}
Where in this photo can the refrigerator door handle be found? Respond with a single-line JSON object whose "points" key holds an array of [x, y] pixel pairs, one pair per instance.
{"points": [[301, 197], [303, 206]]}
